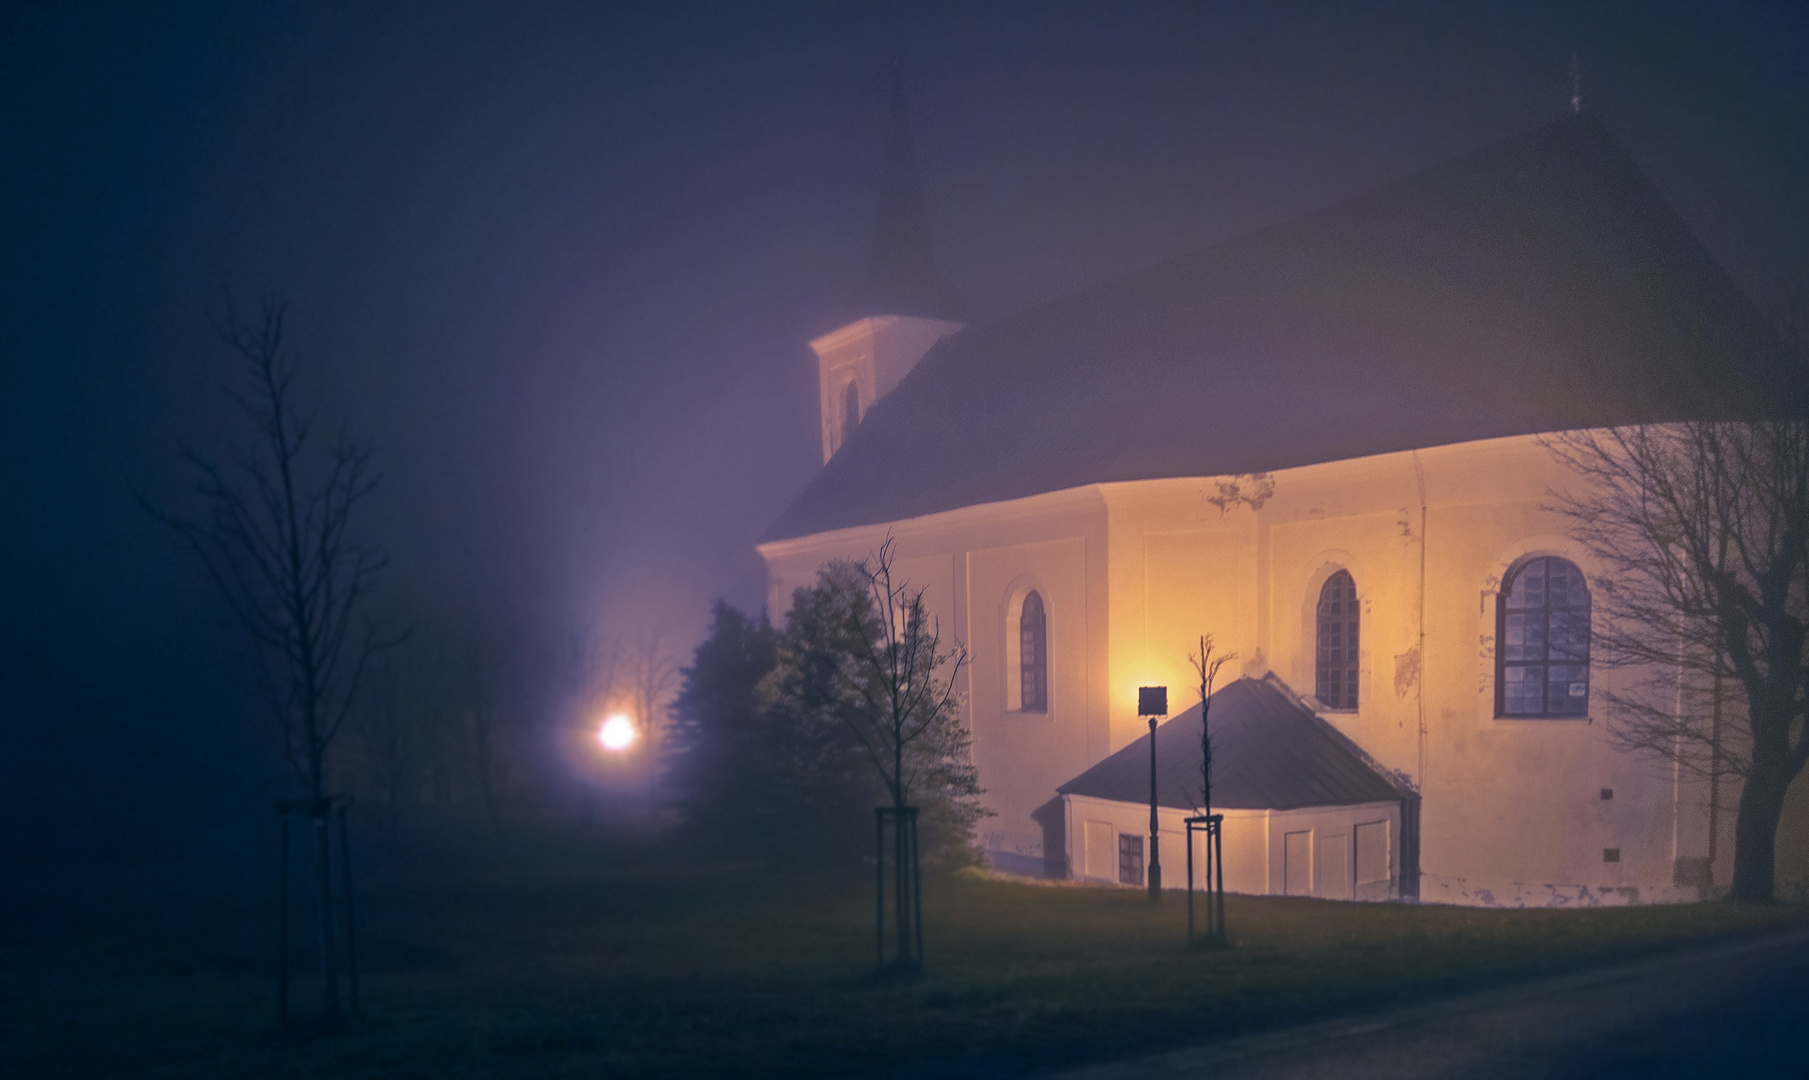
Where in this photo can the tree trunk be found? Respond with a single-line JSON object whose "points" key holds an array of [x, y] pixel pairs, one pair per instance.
{"points": [[323, 877], [1755, 837], [901, 885], [323, 884], [901, 851]]}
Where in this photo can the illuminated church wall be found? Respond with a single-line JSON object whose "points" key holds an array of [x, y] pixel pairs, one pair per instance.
{"points": [[1130, 575], [1512, 809]]}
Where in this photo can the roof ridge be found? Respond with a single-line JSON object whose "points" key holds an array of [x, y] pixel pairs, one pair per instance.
{"points": [[1582, 121], [1537, 284]]}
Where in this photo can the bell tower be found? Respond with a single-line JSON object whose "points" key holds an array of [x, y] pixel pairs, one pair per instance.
{"points": [[904, 308]]}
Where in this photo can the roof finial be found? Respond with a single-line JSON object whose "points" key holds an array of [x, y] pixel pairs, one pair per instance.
{"points": [[1576, 84]]}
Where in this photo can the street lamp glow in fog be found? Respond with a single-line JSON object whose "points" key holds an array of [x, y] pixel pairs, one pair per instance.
{"points": [[616, 733]]}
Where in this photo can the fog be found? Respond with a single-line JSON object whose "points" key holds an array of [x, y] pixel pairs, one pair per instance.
{"points": [[561, 266]]}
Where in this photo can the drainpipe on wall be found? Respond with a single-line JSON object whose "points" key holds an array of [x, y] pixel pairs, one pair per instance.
{"points": [[1410, 870]]}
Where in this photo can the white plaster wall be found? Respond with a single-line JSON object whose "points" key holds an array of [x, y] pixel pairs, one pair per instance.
{"points": [[1505, 802], [1254, 846], [1512, 810], [1021, 755]]}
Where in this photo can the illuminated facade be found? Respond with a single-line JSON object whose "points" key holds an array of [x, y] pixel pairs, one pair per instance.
{"points": [[1320, 444]]}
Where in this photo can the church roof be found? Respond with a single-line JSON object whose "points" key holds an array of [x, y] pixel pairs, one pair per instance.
{"points": [[1539, 284], [1268, 753]]}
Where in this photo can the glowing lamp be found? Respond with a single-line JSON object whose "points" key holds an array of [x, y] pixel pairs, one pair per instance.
{"points": [[617, 733]]}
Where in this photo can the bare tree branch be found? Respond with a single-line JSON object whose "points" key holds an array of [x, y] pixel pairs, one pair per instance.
{"points": [[1701, 531], [273, 533]]}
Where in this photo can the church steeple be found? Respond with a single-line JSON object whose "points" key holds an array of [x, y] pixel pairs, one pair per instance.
{"points": [[904, 308], [901, 269]]}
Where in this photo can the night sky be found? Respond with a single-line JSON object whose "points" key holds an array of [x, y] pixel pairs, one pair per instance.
{"points": [[561, 262]]}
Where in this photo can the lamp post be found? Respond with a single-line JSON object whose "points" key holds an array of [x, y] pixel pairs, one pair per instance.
{"points": [[1152, 701]]}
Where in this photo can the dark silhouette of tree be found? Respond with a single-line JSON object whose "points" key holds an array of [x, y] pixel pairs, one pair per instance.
{"points": [[1702, 530], [432, 722], [815, 789], [716, 750], [273, 531]]}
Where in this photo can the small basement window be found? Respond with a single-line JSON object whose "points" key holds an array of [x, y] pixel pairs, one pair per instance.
{"points": [[1130, 859]]}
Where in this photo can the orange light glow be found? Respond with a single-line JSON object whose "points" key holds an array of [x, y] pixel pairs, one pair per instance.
{"points": [[617, 733]]}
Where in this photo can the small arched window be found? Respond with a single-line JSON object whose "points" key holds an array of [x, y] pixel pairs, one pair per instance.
{"points": [[1033, 655], [851, 411], [1336, 684], [1542, 640]]}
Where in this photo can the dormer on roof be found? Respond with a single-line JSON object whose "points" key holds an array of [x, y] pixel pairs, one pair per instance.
{"points": [[862, 362]]}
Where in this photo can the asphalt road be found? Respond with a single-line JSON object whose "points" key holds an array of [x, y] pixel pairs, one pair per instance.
{"points": [[1740, 1011]]}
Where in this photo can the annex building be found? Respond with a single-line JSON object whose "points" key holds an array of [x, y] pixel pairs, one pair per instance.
{"points": [[1319, 443]]}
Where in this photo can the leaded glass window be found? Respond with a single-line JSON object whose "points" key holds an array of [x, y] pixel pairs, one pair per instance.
{"points": [[1033, 655], [1542, 641], [1336, 684]]}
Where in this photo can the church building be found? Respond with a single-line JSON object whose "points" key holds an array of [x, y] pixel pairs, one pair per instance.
{"points": [[1320, 443]]}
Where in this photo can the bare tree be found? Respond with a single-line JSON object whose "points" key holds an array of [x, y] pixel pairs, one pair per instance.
{"points": [[1206, 665], [652, 676], [1702, 529], [484, 708], [599, 680], [273, 532], [902, 700], [598, 670]]}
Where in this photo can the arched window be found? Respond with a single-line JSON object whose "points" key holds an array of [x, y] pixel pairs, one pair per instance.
{"points": [[1033, 655], [1337, 647], [1542, 641], [851, 411]]}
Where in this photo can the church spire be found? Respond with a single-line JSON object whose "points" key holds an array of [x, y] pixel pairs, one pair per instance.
{"points": [[904, 308], [901, 273]]}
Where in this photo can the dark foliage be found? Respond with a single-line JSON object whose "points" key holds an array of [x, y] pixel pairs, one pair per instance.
{"points": [[716, 752], [765, 754], [862, 707]]}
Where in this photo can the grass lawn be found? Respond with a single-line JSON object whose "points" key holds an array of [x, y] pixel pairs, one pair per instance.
{"points": [[595, 965]]}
